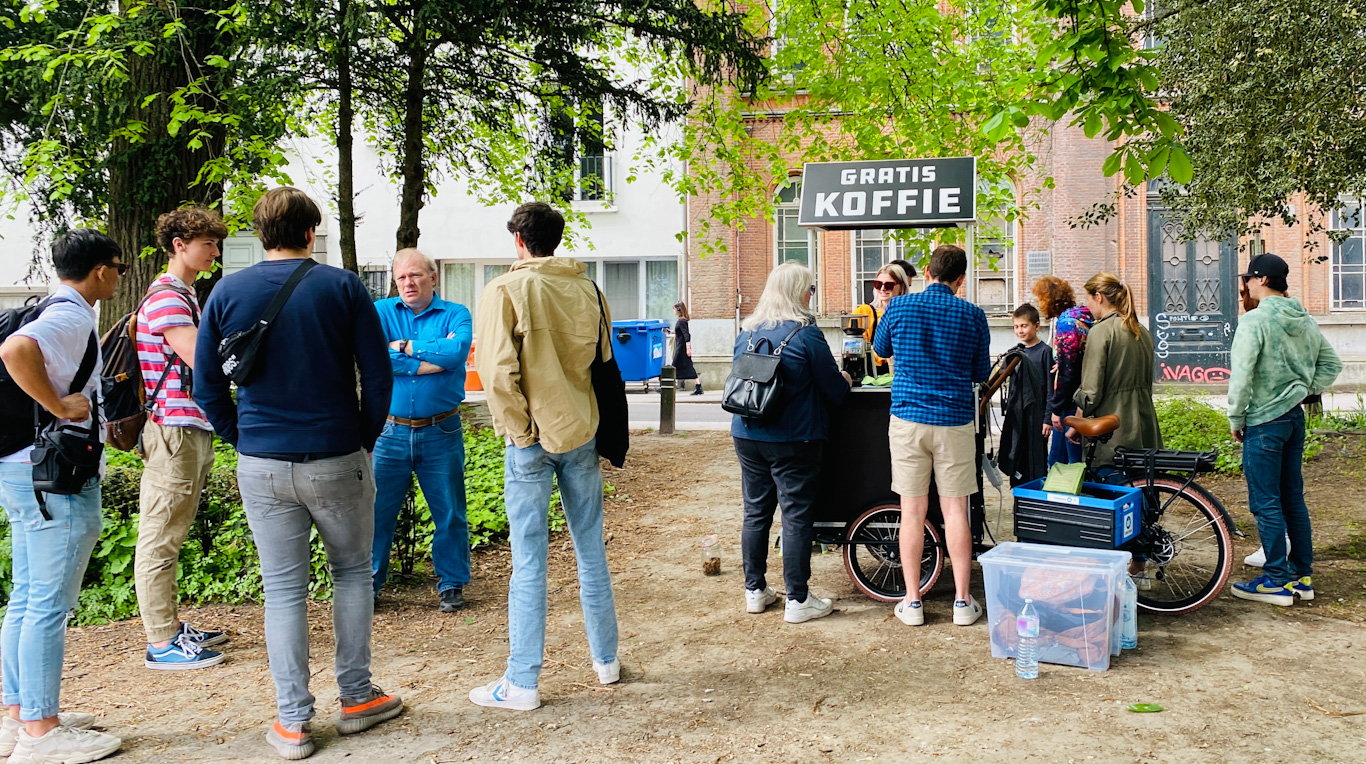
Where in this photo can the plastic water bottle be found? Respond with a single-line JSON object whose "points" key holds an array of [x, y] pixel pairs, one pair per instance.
{"points": [[1129, 619], [1027, 651]]}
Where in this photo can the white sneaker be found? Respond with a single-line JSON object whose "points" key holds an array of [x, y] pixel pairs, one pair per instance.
{"points": [[608, 673], [63, 745], [503, 694], [9, 728], [1257, 559], [813, 607], [757, 601], [966, 613], [911, 614], [1142, 581]]}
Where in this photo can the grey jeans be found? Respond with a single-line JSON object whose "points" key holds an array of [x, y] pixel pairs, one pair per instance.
{"points": [[283, 501]]}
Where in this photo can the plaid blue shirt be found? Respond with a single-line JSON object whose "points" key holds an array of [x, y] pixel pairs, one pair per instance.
{"points": [[941, 346]]}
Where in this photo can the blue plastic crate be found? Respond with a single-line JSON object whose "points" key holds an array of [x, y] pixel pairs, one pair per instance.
{"points": [[1104, 516]]}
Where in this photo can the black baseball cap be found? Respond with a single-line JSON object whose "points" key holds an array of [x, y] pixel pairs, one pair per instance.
{"points": [[1266, 265]]}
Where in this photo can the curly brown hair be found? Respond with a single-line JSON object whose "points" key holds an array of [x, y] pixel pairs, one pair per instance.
{"points": [[187, 224], [1055, 296]]}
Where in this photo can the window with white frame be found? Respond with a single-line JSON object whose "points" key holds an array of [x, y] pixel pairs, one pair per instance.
{"points": [[1347, 279], [635, 288], [995, 271], [779, 32], [873, 249], [794, 243]]}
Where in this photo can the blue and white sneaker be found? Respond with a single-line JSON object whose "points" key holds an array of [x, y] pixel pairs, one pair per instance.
{"points": [[182, 654], [202, 637], [502, 694], [1303, 588], [1261, 589]]}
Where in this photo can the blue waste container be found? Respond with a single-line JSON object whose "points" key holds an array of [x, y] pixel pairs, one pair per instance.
{"points": [[638, 347]]}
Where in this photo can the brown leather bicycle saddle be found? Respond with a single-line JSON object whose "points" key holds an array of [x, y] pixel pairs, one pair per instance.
{"points": [[1092, 428]]}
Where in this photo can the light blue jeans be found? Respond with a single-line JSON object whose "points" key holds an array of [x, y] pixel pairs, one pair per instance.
{"points": [[527, 476], [437, 454], [283, 502], [49, 561]]}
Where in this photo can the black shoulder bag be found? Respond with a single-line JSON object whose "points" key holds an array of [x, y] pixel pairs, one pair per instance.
{"points": [[753, 387], [237, 351], [66, 456], [613, 437]]}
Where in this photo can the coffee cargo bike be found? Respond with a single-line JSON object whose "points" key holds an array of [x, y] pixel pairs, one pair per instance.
{"points": [[1177, 531]]}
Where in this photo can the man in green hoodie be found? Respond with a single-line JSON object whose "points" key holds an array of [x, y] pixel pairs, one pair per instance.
{"points": [[1279, 357]]}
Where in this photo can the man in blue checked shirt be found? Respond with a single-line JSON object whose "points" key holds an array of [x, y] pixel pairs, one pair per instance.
{"points": [[429, 340], [940, 347]]}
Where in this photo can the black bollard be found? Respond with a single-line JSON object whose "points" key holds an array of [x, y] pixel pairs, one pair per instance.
{"points": [[668, 387]]}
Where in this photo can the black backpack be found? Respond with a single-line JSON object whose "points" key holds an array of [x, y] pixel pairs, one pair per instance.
{"points": [[20, 416]]}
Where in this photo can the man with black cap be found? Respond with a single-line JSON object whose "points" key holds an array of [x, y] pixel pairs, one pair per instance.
{"points": [[1278, 357]]}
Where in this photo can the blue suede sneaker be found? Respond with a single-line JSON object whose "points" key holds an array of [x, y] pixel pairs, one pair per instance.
{"points": [[182, 654], [1261, 589], [202, 637], [1303, 588]]}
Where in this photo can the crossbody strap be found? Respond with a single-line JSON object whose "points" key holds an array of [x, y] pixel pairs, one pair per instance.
{"points": [[282, 296], [602, 321]]}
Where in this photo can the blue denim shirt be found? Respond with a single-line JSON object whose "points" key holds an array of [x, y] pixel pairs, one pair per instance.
{"points": [[812, 384], [441, 335], [941, 346]]}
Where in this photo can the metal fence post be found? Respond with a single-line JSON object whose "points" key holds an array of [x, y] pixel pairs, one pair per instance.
{"points": [[668, 386]]}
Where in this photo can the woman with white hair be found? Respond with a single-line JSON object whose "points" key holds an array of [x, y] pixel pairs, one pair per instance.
{"points": [[780, 456]]}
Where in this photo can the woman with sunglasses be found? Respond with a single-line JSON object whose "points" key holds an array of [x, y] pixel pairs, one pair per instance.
{"points": [[891, 281]]}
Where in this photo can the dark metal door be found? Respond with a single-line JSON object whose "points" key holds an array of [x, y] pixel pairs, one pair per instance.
{"points": [[1192, 301]]}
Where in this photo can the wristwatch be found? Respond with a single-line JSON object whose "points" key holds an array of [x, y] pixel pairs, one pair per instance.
{"points": [[403, 346]]}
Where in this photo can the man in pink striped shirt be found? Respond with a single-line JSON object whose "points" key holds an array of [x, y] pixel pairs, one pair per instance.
{"points": [[177, 443]]}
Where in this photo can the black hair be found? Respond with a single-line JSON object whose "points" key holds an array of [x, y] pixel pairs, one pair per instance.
{"points": [[948, 263], [1027, 312], [540, 225], [79, 251], [1274, 283]]}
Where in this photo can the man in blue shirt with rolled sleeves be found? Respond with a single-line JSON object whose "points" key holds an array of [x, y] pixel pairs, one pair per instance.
{"points": [[429, 340]]}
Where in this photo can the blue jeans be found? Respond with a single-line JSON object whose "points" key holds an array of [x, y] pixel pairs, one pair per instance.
{"points": [[49, 561], [1061, 450], [527, 475], [1273, 454], [437, 454], [284, 501]]}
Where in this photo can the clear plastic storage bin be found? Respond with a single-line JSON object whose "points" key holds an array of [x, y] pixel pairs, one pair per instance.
{"points": [[1076, 592]]}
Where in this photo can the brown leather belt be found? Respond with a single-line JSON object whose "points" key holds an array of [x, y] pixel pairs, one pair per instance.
{"points": [[425, 421]]}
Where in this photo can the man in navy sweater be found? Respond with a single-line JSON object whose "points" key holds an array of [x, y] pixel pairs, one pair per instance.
{"points": [[303, 437]]}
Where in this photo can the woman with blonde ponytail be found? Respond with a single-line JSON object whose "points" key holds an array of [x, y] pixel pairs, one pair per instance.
{"points": [[1117, 369]]}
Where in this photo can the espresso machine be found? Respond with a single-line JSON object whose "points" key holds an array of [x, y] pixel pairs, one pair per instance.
{"points": [[856, 356]]}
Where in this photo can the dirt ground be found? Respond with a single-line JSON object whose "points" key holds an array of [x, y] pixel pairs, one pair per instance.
{"points": [[705, 682]]}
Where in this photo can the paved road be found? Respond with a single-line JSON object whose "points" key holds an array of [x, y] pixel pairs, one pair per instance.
{"points": [[691, 413]]}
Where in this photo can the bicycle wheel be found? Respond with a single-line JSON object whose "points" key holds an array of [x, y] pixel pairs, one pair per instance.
{"points": [[1189, 551], [873, 559]]}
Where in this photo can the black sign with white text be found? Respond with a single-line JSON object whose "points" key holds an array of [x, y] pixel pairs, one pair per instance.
{"points": [[889, 193]]}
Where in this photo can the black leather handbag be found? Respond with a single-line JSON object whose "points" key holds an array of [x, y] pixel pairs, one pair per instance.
{"points": [[66, 456], [237, 351], [613, 436], [753, 387]]}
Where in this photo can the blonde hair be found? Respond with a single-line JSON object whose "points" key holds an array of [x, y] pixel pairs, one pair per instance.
{"points": [[412, 253], [1118, 295], [782, 298], [897, 273]]}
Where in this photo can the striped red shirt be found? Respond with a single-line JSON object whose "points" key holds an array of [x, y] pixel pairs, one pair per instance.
{"points": [[164, 310]]}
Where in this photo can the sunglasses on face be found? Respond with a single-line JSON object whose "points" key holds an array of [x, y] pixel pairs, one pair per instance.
{"points": [[813, 289], [886, 286], [122, 268]]}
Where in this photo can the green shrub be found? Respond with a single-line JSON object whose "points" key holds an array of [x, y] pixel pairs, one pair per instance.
{"points": [[218, 562], [1189, 424]]}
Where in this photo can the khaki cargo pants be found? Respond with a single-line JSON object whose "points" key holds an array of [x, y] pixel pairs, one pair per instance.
{"points": [[176, 466]]}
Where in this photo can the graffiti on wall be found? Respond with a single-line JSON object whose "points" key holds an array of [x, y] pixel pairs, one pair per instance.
{"points": [[1201, 375]]}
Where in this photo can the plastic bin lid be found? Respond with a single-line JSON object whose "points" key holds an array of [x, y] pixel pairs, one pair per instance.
{"points": [[648, 323], [1047, 555]]}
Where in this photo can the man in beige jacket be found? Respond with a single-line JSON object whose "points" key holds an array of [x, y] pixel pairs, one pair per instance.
{"points": [[539, 327]]}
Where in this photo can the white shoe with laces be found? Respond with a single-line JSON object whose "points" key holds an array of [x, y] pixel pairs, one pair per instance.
{"points": [[911, 614], [64, 745], [811, 608], [501, 693], [758, 600], [966, 613], [9, 728], [608, 673]]}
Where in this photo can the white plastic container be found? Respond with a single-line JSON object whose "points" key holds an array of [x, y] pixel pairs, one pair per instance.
{"points": [[1076, 592]]}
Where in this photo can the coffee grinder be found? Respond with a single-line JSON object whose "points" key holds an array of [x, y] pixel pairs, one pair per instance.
{"points": [[856, 356]]}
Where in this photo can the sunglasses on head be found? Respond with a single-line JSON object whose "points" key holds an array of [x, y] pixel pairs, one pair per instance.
{"points": [[886, 286]]}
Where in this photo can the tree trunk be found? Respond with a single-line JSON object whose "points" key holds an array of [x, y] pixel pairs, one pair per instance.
{"points": [[346, 196], [157, 175], [413, 171]]}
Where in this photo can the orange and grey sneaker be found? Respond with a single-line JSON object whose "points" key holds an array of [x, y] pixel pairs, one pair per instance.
{"points": [[293, 740], [360, 714]]}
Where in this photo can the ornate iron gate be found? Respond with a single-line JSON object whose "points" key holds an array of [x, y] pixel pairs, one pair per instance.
{"points": [[1192, 300]]}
